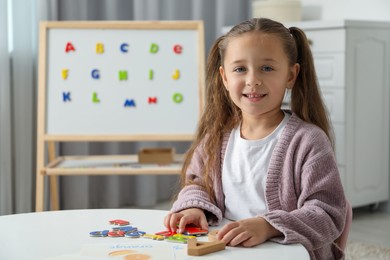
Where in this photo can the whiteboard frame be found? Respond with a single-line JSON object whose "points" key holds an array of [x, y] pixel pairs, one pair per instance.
{"points": [[46, 143], [131, 25]]}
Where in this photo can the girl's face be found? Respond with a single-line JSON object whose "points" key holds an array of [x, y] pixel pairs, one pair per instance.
{"points": [[256, 72]]}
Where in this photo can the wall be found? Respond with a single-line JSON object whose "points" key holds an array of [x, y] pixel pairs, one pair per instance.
{"points": [[345, 9]]}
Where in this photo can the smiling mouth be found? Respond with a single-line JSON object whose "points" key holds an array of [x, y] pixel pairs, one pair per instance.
{"points": [[254, 95]]}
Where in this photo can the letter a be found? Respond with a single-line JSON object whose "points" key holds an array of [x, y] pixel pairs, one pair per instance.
{"points": [[69, 47]]}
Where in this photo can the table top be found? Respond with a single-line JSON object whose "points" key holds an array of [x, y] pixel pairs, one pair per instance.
{"points": [[64, 234]]}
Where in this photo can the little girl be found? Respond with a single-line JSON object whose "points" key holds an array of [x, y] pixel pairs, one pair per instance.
{"points": [[272, 172]]}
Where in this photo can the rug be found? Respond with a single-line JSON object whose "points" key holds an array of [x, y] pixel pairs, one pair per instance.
{"points": [[357, 250]]}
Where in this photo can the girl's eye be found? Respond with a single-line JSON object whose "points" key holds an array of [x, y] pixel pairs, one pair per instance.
{"points": [[239, 69], [267, 68]]}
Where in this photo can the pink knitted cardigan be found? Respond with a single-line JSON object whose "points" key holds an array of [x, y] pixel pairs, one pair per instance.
{"points": [[304, 194]]}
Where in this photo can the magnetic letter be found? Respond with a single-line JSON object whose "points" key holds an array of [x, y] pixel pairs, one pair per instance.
{"points": [[65, 73], [178, 49], [95, 98], [177, 98], [153, 48], [122, 75], [176, 74], [69, 47], [124, 47], [99, 48], [66, 96], [95, 74], [151, 74], [152, 100], [129, 103]]}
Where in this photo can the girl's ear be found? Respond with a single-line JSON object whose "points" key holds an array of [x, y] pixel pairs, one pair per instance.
{"points": [[294, 71], [223, 76]]}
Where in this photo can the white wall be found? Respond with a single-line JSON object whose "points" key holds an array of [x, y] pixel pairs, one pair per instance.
{"points": [[346, 9]]}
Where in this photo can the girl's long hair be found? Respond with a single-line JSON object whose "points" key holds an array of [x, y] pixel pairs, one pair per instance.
{"points": [[221, 115]]}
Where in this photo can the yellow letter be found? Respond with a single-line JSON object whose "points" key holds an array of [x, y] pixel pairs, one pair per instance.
{"points": [[176, 74], [99, 47], [65, 73]]}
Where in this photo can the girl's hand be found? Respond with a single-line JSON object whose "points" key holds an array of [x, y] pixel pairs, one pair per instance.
{"points": [[247, 232], [188, 216]]}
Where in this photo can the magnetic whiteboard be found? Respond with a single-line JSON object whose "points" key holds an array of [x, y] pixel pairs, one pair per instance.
{"points": [[121, 79]]}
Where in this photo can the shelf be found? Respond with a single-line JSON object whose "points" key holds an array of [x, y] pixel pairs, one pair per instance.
{"points": [[110, 165]]}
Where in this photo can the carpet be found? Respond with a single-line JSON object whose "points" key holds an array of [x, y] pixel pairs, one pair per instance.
{"points": [[357, 250]]}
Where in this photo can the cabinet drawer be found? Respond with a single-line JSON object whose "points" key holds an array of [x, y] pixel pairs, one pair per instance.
{"points": [[332, 40], [334, 102], [330, 69]]}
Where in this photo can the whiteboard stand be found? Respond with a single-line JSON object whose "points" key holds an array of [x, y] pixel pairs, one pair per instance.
{"points": [[112, 81]]}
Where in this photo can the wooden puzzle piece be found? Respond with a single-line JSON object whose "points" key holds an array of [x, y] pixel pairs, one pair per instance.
{"points": [[213, 235], [197, 248]]}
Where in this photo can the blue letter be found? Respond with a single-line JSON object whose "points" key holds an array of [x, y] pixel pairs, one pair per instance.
{"points": [[95, 74], [66, 96], [124, 47]]}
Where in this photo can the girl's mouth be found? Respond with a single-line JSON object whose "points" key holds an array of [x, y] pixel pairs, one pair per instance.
{"points": [[254, 95]]}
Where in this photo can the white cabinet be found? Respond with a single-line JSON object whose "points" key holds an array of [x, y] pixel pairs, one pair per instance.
{"points": [[352, 59]]}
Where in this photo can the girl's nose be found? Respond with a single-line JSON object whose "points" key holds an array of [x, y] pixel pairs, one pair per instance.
{"points": [[253, 81]]}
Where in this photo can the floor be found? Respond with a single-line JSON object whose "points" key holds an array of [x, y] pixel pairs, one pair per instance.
{"points": [[369, 226]]}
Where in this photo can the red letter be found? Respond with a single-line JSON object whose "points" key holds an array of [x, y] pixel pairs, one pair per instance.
{"points": [[152, 100], [69, 47], [178, 49]]}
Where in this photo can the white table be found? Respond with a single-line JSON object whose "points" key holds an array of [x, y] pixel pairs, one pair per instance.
{"points": [[65, 235]]}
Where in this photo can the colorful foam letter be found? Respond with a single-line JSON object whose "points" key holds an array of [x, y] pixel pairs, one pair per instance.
{"points": [[176, 74], [65, 73], [153, 48], [95, 98], [124, 47], [177, 98], [129, 103], [95, 74], [122, 75], [152, 100], [99, 48], [178, 49], [151, 74], [66, 96], [69, 47]]}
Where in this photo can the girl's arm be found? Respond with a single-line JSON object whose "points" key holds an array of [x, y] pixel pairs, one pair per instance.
{"points": [[193, 195]]}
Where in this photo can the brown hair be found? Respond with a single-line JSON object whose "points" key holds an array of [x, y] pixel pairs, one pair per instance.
{"points": [[221, 115]]}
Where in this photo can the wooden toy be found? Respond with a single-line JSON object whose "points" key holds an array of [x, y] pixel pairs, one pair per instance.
{"points": [[197, 248], [191, 230], [156, 155], [213, 235], [166, 233], [119, 222], [154, 237]]}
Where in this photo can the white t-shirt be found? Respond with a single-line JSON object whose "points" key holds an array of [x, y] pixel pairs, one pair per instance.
{"points": [[244, 173]]}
